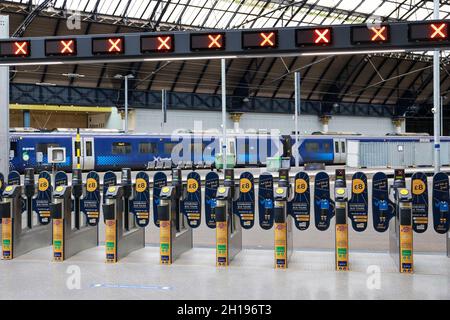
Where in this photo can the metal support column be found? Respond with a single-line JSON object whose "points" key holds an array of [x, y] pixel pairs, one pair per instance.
{"points": [[437, 99], [297, 112], [224, 113], [125, 129], [164, 108], [4, 104]]}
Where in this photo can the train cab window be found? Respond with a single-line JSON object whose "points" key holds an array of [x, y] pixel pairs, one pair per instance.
{"points": [[148, 147], [43, 147], [343, 146], [336, 147], [327, 147], [312, 147], [121, 148], [168, 147], [88, 146]]}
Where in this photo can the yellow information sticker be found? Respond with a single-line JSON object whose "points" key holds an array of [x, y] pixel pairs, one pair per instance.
{"points": [[141, 185], [43, 184], [91, 185], [301, 186], [245, 185], [358, 186], [192, 185], [418, 187]]}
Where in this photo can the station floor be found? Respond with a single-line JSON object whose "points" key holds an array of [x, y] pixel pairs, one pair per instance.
{"points": [[194, 276]]}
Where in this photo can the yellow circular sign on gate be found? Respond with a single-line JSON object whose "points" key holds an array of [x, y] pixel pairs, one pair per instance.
{"points": [[301, 186], [165, 189], [418, 187], [245, 185], [358, 186], [1, 185], [279, 191], [8, 188], [404, 192], [112, 189], [43, 184], [91, 185], [141, 185], [59, 188], [192, 185]]}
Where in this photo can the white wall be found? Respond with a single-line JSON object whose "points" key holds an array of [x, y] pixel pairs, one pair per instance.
{"points": [[149, 121]]}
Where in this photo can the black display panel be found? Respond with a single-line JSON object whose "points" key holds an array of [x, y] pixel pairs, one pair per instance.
{"points": [[108, 45], [314, 37], [366, 34], [62, 47], [259, 40], [15, 49], [430, 31], [163, 43], [207, 41]]}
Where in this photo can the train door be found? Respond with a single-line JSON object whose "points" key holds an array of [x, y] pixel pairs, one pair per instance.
{"points": [[88, 153], [74, 155], [340, 150]]}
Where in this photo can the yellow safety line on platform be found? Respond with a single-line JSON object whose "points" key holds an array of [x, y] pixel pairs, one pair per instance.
{"points": [[60, 108]]}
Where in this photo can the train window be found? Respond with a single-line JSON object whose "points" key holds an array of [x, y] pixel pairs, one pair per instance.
{"points": [[336, 147], [148, 147], [121, 148], [312, 147], [327, 147], [88, 146], [168, 147], [343, 146], [43, 147]]}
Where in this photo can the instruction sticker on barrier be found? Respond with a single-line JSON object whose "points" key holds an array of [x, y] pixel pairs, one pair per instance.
{"points": [[191, 206], [244, 206], [109, 180], [140, 205], [58, 239], [358, 205], [90, 203], [159, 181], [419, 189], [41, 203], [323, 205], [14, 178], [61, 179], [300, 206], [111, 241], [440, 203], [383, 209], [265, 201], [211, 186], [7, 238]]}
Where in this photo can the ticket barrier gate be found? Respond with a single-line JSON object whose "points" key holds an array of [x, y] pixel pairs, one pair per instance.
{"points": [[283, 222], [176, 236], [341, 227], [72, 233], [228, 228], [17, 239], [123, 236], [401, 229]]}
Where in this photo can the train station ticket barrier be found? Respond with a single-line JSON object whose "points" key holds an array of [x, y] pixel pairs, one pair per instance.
{"points": [[19, 236], [228, 227], [401, 229], [176, 236], [283, 222], [123, 236], [72, 231], [341, 227]]}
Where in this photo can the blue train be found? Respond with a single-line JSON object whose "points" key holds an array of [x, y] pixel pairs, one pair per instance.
{"points": [[112, 151]]}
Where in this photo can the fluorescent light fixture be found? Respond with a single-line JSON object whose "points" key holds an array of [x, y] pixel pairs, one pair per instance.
{"points": [[332, 53], [191, 58], [12, 64]]}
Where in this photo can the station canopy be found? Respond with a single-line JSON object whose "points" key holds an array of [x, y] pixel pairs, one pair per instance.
{"points": [[382, 78]]}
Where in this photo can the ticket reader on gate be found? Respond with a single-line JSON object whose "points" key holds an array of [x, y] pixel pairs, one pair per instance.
{"points": [[119, 241], [282, 222], [16, 239], [341, 228], [68, 239], [228, 228], [176, 236], [401, 229]]}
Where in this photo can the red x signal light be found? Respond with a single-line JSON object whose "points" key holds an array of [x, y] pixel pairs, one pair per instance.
{"points": [[439, 31], [267, 39], [322, 36], [20, 48]]}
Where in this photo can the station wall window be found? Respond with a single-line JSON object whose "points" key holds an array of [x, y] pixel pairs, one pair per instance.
{"points": [[121, 148], [43, 147], [148, 147]]}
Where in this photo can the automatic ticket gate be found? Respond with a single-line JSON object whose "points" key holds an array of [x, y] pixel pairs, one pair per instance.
{"points": [[74, 232], [176, 236], [401, 227], [283, 239], [123, 235], [20, 236], [341, 227], [228, 227]]}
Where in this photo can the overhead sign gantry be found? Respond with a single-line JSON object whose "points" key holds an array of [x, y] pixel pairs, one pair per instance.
{"points": [[215, 44]]}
